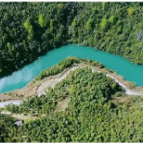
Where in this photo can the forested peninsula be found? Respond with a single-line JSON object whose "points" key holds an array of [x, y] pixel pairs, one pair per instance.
{"points": [[85, 106], [30, 29]]}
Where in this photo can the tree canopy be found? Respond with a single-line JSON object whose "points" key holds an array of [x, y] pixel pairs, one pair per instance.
{"points": [[29, 30], [84, 107]]}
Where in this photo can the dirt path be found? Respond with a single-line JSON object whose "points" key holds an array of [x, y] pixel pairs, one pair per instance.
{"points": [[16, 102], [19, 116], [127, 90], [58, 78], [52, 83]]}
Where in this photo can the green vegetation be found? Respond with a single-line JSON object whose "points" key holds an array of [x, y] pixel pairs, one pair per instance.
{"points": [[58, 67], [68, 62], [98, 111], [6, 127], [29, 30]]}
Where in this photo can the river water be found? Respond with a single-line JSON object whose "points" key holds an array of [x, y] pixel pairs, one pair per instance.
{"points": [[22, 77]]}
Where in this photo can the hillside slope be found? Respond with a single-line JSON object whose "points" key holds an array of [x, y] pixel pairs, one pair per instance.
{"points": [[86, 106]]}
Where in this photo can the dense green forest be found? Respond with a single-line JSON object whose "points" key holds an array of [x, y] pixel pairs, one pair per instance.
{"points": [[92, 114], [30, 29]]}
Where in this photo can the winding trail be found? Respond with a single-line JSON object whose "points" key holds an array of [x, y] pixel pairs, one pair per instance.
{"points": [[15, 102], [46, 84], [127, 90], [51, 83]]}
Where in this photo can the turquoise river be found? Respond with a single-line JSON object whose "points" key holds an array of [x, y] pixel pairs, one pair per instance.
{"points": [[22, 77]]}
